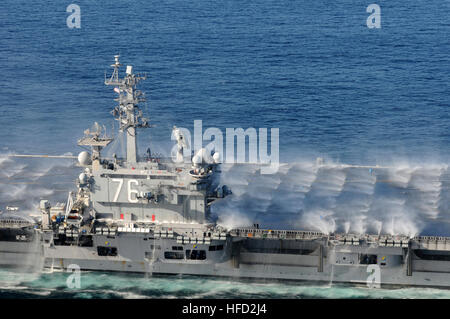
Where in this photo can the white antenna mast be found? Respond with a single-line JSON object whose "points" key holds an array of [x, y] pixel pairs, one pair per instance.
{"points": [[127, 112]]}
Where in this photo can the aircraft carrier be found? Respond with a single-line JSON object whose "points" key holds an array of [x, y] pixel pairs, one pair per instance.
{"points": [[151, 214]]}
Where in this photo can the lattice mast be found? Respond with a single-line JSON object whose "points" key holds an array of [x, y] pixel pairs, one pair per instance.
{"points": [[127, 112]]}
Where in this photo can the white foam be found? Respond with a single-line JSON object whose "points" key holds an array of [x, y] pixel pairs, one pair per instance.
{"points": [[400, 199]]}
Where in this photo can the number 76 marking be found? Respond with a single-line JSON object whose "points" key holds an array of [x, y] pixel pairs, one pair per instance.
{"points": [[130, 190], [120, 181]]}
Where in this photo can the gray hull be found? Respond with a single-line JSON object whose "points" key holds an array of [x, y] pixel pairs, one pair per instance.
{"points": [[22, 256], [314, 260]]}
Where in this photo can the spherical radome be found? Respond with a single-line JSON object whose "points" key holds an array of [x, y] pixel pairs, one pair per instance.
{"points": [[84, 158]]}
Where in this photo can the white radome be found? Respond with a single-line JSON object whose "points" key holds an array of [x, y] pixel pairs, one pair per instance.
{"points": [[216, 157], [196, 160], [204, 156], [83, 178], [84, 158]]}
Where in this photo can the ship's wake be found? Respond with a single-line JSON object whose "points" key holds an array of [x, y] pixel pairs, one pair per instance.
{"points": [[136, 286]]}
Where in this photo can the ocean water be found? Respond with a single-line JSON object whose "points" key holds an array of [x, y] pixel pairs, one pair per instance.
{"points": [[106, 285], [334, 88]]}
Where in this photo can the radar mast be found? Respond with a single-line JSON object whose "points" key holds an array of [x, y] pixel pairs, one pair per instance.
{"points": [[127, 112]]}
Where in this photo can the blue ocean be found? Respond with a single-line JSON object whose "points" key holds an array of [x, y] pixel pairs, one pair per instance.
{"points": [[335, 88]]}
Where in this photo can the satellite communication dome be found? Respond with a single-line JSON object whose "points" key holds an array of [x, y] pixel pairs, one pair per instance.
{"points": [[83, 178], [204, 156], [196, 160], [84, 158]]}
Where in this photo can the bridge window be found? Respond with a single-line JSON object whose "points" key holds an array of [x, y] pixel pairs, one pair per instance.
{"points": [[365, 259], [173, 255], [195, 254], [177, 248], [106, 251]]}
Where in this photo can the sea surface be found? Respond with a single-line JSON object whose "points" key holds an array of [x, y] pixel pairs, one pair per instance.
{"points": [[334, 88]]}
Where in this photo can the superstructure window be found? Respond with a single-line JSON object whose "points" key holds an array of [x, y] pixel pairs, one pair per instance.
{"points": [[195, 254], [173, 255], [177, 248], [106, 251]]}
